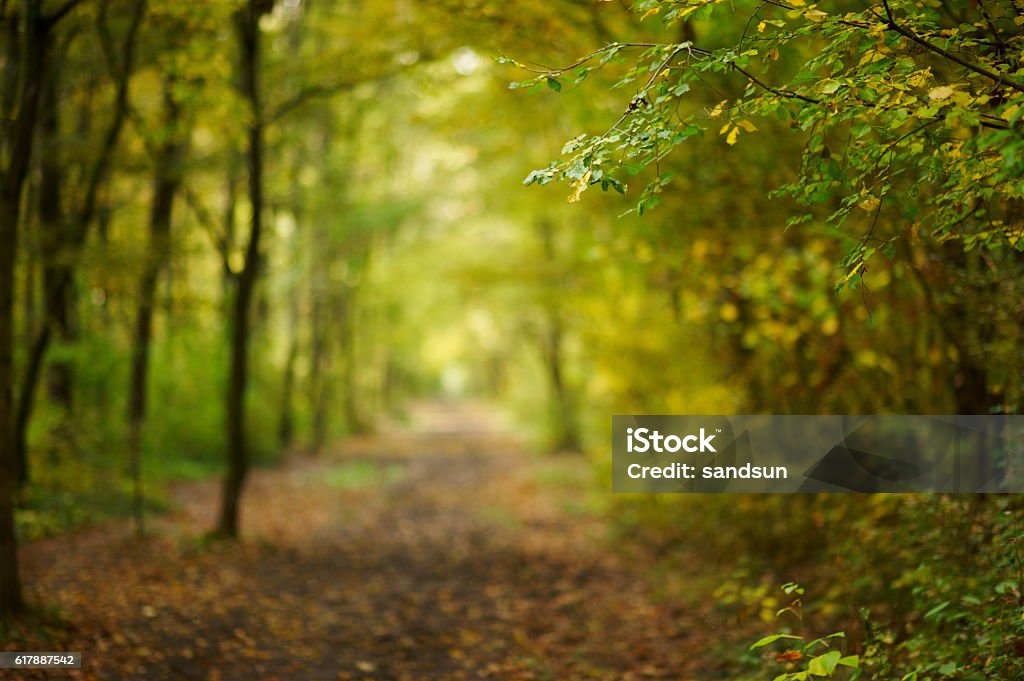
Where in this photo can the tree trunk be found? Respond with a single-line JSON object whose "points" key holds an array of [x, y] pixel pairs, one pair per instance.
{"points": [[345, 310], [25, 101], [166, 181], [26, 399], [58, 283], [286, 426], [10, 583], [321, 361], [318, 363], [567, 437], [238, 459]]}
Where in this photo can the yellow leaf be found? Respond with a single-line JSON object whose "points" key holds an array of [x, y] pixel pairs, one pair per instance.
{"points": [[747, 125], [1008, 114], [729, 312], [717, 111], [761, 27], [940, 93], [962, 98], [725, 128], [919, 78], [579, 186], [815, 15], [651, 12], [773, 54], [731, 139], [869, 204]]}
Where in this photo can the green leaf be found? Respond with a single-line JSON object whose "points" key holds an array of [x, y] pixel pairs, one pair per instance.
{"points": [[850, 661], [768, 640], [824, 665], [554, 84], [936, 610], [824, 640]]}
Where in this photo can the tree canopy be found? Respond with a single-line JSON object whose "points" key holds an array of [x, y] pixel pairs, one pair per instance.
{"points": [[908, 113]]}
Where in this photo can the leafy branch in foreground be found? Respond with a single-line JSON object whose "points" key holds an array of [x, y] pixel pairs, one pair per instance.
{"points": [[801, 659], [914, 107]]}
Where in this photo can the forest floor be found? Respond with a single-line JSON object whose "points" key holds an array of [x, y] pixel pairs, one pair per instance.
{"points": [[435, 550]]}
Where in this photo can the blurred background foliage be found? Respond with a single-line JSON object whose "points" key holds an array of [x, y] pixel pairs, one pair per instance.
{"points": [[403, 258]]}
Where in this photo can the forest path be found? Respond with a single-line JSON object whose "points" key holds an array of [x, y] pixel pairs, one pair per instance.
{"points": [[436, 550]]}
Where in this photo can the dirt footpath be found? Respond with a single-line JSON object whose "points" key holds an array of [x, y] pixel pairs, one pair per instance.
{"points": [[437, 550]]}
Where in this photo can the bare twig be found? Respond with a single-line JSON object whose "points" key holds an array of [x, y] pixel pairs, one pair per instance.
{"points": [[583, 60]]}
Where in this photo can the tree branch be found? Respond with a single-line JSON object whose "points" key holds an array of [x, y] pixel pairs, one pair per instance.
{"points": [[122, 74], [207, 223], [61, 12], [583, 60], [890, 21], [305, 95], [781, 93], [321, 90]]}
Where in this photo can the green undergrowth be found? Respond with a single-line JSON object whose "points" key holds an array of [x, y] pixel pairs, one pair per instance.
{"points": [[918, 587]]}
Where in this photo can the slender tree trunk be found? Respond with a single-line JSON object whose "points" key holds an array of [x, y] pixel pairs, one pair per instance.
{"points": [[567, 436], [319, 360], [10, 582], [567, 439], [26, 399], [58, 281], [319, 348], [238, 459], [166, 181], [98, 398], [30, 266], [33, 36], [286, 425], [350, 388]]}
